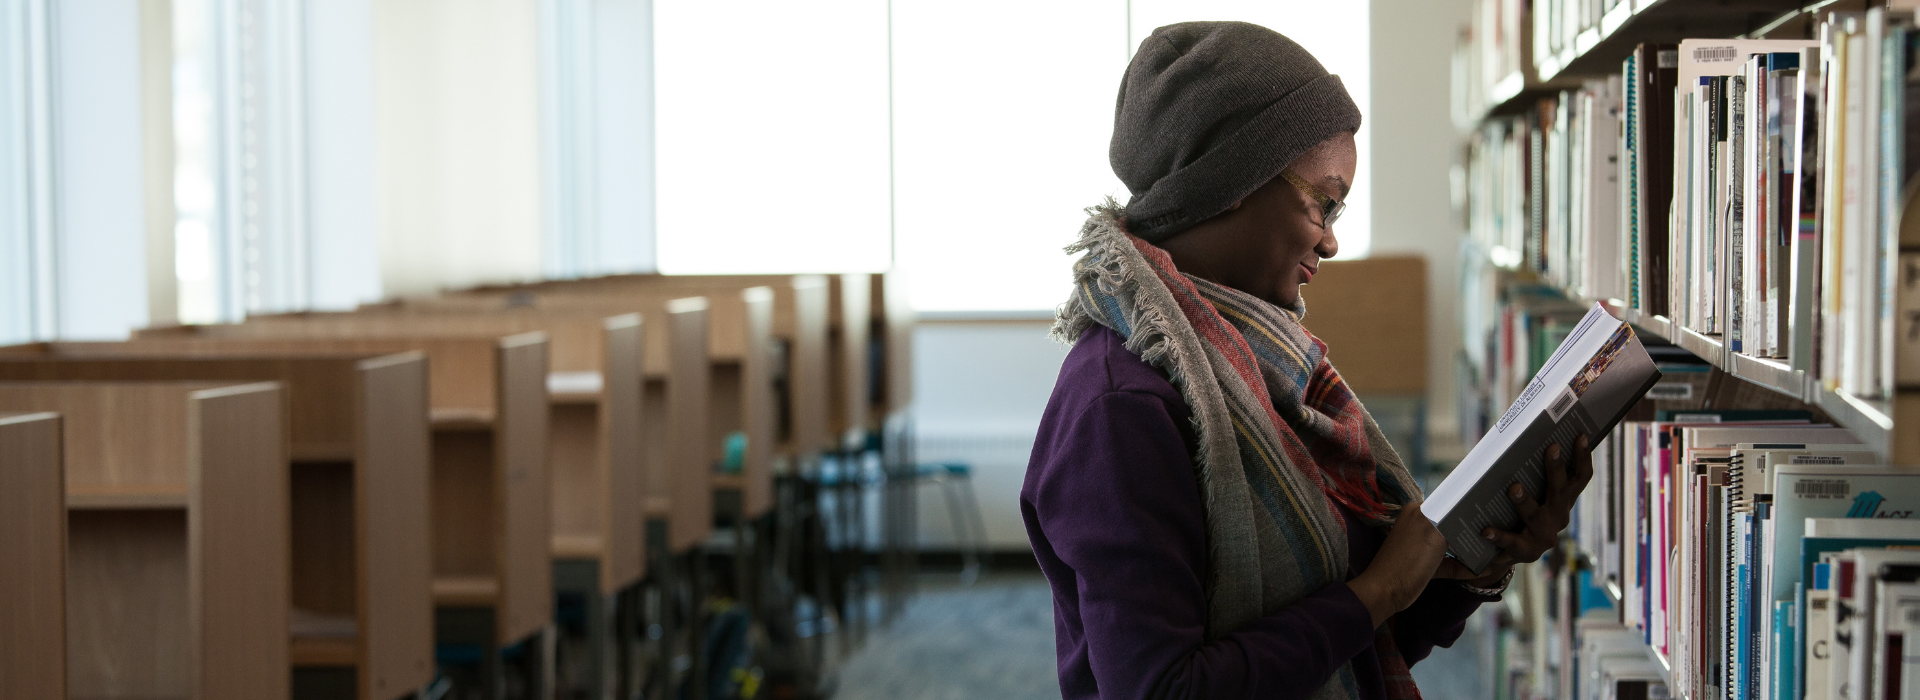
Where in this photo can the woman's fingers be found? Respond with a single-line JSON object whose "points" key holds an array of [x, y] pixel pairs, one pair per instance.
{"points": [[1556, 469], [1582, 463], [1516, 547], [1522, 503]]}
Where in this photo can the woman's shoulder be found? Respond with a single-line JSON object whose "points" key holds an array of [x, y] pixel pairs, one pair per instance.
{"points": [[1100, 364]]}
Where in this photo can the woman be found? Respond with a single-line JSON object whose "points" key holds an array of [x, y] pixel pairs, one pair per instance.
{"points": [[1217, 515]]}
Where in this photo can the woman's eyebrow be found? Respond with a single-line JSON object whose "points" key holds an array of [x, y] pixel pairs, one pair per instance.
{"points": [[1341, 182]]}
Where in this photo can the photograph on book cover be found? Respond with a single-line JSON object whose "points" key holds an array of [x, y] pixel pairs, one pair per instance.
{"points": [[1602, 360]]}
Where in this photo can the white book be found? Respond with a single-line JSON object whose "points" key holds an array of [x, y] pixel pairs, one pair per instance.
{"points": [[1584, 388], [1857, 603], [1898, 663], [1854, 228], [1816, 676]]}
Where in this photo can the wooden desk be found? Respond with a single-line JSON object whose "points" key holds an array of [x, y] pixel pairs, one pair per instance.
{"points": [[491, 513], [33, 543], [177, 533], [359, 458], [594, 453], [800, 324]]}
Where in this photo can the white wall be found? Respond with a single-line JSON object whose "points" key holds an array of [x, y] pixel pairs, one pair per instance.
{"points": [[979, 390], [1414, 144], [457, 142]]}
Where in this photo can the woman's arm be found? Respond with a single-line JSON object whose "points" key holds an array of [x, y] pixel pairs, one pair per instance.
{"points": [[1117, 503], [1435, 620]]}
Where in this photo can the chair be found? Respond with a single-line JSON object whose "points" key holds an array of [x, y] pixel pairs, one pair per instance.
{"points": [[955, 480]]}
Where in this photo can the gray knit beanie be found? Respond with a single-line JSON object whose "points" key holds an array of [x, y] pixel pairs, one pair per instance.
{"points": [[1209, 112]]}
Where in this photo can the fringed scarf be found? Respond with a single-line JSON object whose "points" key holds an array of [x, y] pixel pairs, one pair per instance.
{"points": [[1281, 439]]}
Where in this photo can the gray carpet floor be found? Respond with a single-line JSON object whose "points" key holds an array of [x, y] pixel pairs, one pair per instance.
{"points": [[994, 640]]}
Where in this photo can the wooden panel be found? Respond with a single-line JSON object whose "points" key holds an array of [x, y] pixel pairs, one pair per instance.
{"points": [[128, 631], [121, 437], [852, 309], [228, 552], [622, 422], [810, 366], [237, 539], [579, 479], [319, 388], [465, 505], [1372, 314], [33, 543], [757, 409], [655, 444], [324, 568], [899, 318], [526, 569], [392, 472], [452, 362], [574, 336], [691, 452]]}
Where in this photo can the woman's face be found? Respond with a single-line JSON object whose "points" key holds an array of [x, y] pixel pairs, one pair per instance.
{"points": [[1273, 241]]}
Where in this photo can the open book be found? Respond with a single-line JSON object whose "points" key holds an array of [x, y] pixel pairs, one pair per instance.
{"points": [[1584, 388]]}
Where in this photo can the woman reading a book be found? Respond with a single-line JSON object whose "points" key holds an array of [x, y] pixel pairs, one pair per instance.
{"points": [[1216, 513]]}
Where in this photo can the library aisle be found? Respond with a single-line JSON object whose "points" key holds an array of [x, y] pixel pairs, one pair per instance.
{"points": [[993, 639]]}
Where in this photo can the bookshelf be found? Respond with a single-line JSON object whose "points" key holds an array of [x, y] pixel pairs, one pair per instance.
{"points": [[1873, 420], [1731, 178]]}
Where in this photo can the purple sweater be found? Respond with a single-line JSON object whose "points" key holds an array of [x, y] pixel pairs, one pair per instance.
{"points": [[1114, 514]]}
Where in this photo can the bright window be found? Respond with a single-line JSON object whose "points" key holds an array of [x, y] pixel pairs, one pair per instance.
{"points": [[1002, 112], [1000, 144], [957, 142], [772, 129]]}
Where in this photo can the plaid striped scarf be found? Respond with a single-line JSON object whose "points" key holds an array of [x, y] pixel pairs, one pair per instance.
{"points": [[1281, 439]]}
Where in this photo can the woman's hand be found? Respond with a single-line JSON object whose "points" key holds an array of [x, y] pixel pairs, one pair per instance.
{"points": [[1541, 521], [1402, 567]]}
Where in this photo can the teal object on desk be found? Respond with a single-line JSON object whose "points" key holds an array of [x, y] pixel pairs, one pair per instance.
{"points": [[735, 449]]}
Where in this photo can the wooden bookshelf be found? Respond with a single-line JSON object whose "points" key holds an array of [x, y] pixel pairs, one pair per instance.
{"points": [[187, 597], [358, 487], [33, 542]]}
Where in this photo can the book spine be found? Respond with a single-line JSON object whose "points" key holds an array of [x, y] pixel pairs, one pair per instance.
{"points": [[1738, 214]]}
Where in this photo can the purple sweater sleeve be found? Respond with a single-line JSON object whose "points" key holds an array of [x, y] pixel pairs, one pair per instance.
{"points": [[1436, 619], [1115, 510]]}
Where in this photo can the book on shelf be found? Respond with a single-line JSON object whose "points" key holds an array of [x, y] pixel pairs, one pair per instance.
{"points": [[1748, 191], [1746, 200], [1587, 385]]}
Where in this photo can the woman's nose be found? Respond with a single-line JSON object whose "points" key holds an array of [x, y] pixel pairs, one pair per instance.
{"points": [[1329, 245]]}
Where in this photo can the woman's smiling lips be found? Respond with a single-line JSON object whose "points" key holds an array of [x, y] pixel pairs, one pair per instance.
{"points": [[1309, 272]]}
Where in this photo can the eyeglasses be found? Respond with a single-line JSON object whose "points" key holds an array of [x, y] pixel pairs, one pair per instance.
{"points": [[1330, 208]]}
